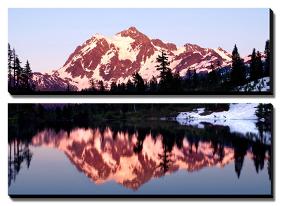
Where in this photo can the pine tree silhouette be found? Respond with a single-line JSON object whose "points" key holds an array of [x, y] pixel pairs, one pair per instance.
{"points": [[166, 76], [19, 78], [138, 83], [237, 75], [253, 65], [267, 58], [153, 84], [101, 86], [259, 65], [27, 75], [18, 72], [14, 67], [92, 84], [10, 65], [130, 86]]}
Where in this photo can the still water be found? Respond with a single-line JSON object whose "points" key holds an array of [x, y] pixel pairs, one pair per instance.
{"points": [[157, 157]]}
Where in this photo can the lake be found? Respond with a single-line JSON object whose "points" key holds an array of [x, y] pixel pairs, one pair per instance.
{"points": [[144, 158]]}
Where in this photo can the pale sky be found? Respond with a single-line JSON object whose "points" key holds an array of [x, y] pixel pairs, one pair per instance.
{"points": [[46, 37]]}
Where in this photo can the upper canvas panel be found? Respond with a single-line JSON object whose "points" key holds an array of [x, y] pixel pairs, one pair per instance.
{"points": [[140, 51]]}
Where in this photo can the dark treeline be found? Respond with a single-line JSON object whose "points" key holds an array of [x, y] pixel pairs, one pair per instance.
{"points": [[172, 134], [25, 113], [219, 80], [67, 116], [19, 78], [83, 113]]}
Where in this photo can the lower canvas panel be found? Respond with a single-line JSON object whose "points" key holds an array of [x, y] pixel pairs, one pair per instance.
{"points": [[140, 150]]}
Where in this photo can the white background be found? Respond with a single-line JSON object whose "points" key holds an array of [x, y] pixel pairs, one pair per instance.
{"points": [[6, 98]]}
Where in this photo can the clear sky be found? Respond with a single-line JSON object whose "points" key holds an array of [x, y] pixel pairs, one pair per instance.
{"points": [[48, 36]]}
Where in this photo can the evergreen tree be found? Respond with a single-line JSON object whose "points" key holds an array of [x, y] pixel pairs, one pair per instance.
{"points": [[188, 79], [256, 66], [18, 72], [10, 65], [253, 65], [19, 78], [194, 79], [167, 83], [163, 65], [176, 85], [27, 75], [259, 65], [213, 77], [130, 86], [218, 73], [138, 82], [92, 84], [153, 84], [101, 86], [188, 74], [14, 66], [121, 87], [237, 74], [166, 76], [113, 87], [267, 58]]}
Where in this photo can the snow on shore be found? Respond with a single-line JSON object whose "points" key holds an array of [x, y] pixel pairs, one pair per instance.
{"points": [[240, 118], [260, 85], [236, 111]]}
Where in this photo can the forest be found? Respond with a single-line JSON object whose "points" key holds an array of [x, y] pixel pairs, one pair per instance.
{"points": [[100, 112]]}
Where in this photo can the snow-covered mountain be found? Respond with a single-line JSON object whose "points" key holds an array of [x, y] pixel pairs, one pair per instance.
{"points": [[117, 58]]}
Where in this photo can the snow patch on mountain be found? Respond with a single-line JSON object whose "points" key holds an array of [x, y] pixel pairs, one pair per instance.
{"points": [[107, 57], [89, 47], [124, 48], [148, 68], [224, 54], [180, 50]]}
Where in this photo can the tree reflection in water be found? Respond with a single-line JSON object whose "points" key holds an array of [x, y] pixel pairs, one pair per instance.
{"points": [[19, 152], [140, 151]]}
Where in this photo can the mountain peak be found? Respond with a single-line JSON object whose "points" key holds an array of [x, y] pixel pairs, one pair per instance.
{"points": [[132, 29], [98, 36], [131, 32], [192, 47]]}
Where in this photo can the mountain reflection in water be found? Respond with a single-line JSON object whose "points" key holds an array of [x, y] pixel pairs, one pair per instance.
{"points": [[132, 155]]}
